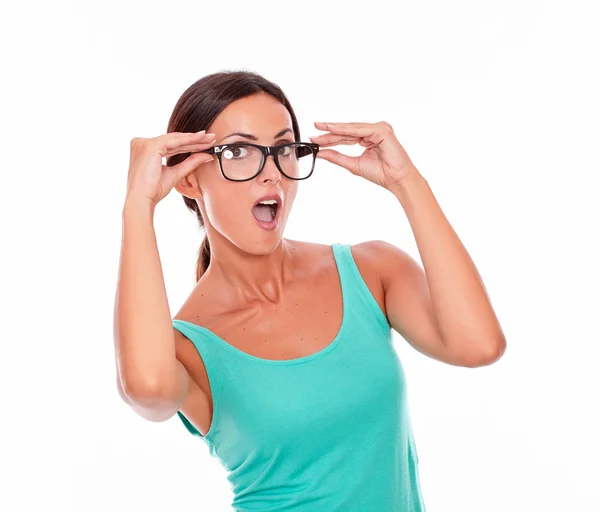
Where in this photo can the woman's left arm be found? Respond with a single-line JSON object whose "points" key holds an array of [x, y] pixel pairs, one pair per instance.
{"points": [[444, 310]]}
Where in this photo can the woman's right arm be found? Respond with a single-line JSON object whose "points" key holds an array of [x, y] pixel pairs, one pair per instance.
{"points": [[150, 378]]}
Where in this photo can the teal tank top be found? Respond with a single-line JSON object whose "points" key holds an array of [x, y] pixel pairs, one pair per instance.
{"points": [[328, 432]]}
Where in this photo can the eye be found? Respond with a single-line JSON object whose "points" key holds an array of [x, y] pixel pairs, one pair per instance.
{"points": [[235, 152], [285, 150]]}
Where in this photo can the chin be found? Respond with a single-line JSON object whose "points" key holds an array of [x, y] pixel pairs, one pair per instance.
{"points": [[264, 242]]}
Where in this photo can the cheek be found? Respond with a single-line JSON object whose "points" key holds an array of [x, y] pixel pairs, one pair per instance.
{"points": [[227, 206], [223, 212], [290, 196]]}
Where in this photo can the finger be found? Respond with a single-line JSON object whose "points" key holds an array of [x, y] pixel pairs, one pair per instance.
{"points": [[347, 127], [345, 161], [332, 140], [329, 136], [372, 132], [191, 148], [366, 144], [174, 140], [181, 137], [346, 142], [191, 163], [328, 140], [356, 125]]}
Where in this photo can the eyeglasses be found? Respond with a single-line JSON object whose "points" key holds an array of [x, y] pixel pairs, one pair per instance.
{"points": [[242, 161]]}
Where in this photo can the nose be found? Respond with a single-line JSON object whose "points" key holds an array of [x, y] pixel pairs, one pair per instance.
{"points": [[270, 171]]}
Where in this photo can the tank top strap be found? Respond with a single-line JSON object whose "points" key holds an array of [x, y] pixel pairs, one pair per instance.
{"points": [[206, 347], [359, 301], [198, 335]]}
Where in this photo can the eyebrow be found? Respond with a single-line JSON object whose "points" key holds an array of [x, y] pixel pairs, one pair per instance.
{"points": [[253, 137]]}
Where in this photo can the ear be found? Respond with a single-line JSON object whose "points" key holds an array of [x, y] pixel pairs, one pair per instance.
{"points": [[189, 186]]}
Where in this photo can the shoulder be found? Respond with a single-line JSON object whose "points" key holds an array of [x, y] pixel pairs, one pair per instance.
{"points": [[373, 249], [380, 258], [377, 262], [372, 257]]}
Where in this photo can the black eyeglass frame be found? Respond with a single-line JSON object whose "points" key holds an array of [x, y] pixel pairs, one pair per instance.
{"points": [[266, 151]]}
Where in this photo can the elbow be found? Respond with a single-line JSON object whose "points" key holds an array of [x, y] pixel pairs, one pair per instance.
{"points": [[148, 393], [492, 354], [151, 401]]}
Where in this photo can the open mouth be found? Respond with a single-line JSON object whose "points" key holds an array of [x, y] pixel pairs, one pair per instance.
{"points": [[266, 211]]}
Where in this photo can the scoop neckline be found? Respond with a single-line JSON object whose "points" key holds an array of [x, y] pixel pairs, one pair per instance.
{"points": [[298, 360]]}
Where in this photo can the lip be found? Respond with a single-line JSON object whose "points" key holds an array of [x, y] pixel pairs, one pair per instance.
{"points": [[277, 198], [269, 226]]}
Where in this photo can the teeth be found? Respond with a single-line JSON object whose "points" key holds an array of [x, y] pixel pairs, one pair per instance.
{"points": [[268, 201]]}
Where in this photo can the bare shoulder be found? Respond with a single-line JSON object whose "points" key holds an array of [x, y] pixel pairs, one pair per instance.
{"points": [[374, 260], [381, 259], [366, 254], [308, 251]]}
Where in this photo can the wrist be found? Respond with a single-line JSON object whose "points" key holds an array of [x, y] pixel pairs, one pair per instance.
{"points": [[411, 179], [138, 207]]}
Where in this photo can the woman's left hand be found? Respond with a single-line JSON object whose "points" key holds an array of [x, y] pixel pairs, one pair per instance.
{"points": [[384, 161]]}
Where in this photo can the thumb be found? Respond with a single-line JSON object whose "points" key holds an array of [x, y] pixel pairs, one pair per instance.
{"points": [[335, 157], [190, 164]]}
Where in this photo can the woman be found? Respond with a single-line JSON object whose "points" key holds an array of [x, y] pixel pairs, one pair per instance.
{"points": [[281, 359]]}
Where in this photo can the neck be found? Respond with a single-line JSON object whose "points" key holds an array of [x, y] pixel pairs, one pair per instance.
{"points": [[242, 277]]}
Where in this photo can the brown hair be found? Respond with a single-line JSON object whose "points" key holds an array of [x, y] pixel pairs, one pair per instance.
{"points": [[199, 106]]}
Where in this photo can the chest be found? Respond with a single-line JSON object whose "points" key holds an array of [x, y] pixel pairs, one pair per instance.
{"points": [[309, 317], [304, 322]]}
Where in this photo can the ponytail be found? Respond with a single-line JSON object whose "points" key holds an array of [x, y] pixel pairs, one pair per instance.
{"points": [[203, 258]]}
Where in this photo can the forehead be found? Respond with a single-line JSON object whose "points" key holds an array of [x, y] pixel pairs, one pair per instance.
{"points": [[259, 114]]}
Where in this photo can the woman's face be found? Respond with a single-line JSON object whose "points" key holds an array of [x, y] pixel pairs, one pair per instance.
{"points": [[227, 206]]}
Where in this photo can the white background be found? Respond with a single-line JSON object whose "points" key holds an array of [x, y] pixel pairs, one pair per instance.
{"points": [[497, 105]]}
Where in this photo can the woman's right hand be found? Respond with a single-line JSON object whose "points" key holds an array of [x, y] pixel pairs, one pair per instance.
{"points": [[148, 179]]}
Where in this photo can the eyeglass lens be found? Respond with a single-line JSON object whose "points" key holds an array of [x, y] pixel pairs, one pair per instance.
{"points": [[241, 162]]}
